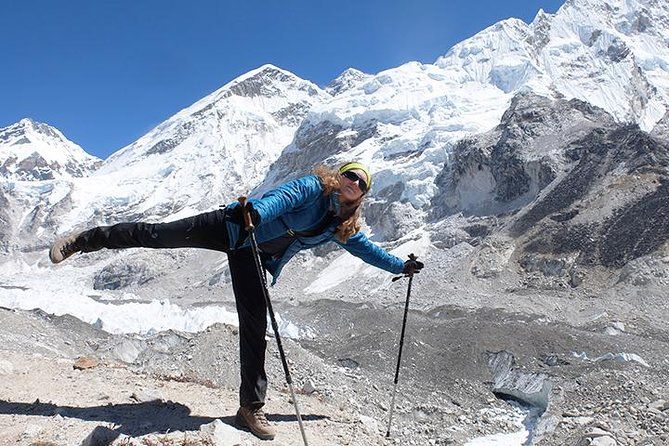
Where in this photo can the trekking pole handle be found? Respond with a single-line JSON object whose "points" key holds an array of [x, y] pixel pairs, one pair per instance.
{"points": [[248, 223], [412, 256]]}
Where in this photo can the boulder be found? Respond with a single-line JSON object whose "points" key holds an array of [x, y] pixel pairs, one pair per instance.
{"points": [[221, 434], [146, 396], [100, 436], [531, 388], [85, 363]]}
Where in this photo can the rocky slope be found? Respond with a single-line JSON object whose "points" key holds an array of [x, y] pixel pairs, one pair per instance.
{"points": [[50, 397], [571, 188], [574, 383]]}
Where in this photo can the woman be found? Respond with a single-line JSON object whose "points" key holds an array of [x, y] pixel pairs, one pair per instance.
{"points": [[297, 215]]}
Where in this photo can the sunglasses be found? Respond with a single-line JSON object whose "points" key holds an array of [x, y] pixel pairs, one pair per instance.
{"points": [[362, 184]]}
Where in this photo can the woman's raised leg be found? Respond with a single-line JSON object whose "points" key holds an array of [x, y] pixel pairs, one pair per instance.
{"points": [[207, 231]]}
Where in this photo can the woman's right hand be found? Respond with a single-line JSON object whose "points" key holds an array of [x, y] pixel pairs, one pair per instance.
{"points": [[236, 215]]}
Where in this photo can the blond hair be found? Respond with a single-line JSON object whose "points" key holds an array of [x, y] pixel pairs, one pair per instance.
{"points": [[350, 212]]}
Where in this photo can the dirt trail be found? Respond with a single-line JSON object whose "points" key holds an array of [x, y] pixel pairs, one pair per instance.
{"points": [[44, 399]]}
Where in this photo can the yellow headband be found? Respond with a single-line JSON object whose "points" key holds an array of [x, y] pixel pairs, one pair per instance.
{"points": [[352, 166]]}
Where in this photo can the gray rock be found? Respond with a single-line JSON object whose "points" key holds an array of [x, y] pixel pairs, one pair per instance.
{"points": [[6, 367], [618, 326], [370, 425], [100, 436], [611, 331], [146, 395], [644, 271], [660, 404], [603, 441], [661, 129], [128, 350], [492, 258], [123, 274], [309, 387], [221, 434], [505, 169], [390, 220], [532, 388]]}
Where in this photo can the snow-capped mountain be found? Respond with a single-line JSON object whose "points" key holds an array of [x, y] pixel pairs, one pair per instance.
{"points": [[205, 155], [612, 54], [269, 125], [405, 121], [347, 80], [244, 124], [33, 151], [528, 167]]}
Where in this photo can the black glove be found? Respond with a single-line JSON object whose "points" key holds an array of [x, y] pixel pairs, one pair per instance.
{"points": [[412, 266], [235, 214]]}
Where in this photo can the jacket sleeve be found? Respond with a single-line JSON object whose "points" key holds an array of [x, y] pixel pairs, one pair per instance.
{"points": [[287, 197], [360, 246]]}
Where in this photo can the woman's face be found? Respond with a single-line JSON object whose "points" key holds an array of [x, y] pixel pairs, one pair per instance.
{"points": [[350, 189]]}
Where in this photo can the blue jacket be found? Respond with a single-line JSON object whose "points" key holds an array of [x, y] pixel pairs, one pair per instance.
{"points": [[300, 205]]}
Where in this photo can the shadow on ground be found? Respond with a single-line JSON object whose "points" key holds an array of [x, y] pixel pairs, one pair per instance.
{"points": [[137, 419]]}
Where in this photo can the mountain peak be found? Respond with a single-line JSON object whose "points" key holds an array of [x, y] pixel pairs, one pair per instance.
{"points": [[505, 36], [30, 126], [541, 16], [266, 80], [510, 23], [31, 150], [262, 71], [624, 16], [232, 135], [348, 79], [26, 122], [352, 72], [267, 68]]}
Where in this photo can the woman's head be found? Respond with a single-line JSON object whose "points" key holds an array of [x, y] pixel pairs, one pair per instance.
{"points": [[351, 180], [355, 181], [349, 188]]}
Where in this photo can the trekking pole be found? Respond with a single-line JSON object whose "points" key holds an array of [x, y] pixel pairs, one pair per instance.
{"points": [[254, 247], [399, 355]]}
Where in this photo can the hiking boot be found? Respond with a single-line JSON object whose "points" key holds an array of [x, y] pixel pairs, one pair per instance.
{"points": [[255, 421], [64, 247]]}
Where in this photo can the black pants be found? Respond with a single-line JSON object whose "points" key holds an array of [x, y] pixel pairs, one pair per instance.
{"points": [[206, 231]]}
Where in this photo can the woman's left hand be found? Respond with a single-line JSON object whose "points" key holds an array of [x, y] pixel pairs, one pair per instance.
{"points": [[412, 266]]}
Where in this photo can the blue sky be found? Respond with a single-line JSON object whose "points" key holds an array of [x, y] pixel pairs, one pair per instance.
{"points": [[105, 73]]}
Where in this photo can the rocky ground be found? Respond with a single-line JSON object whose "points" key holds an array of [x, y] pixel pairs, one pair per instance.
{"points": [[50, 396], [587, 367]]}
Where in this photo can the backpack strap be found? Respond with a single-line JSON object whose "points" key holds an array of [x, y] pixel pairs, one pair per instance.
{"points": [[325, 223]]}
